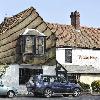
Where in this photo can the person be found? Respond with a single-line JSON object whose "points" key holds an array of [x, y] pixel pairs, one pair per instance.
{"points": [[30, 85]]}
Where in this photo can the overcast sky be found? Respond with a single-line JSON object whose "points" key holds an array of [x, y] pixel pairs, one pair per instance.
{"points": [[55, 11]]}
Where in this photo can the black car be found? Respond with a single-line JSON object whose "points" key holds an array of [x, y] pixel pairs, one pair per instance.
{"points": [[50, 85]]}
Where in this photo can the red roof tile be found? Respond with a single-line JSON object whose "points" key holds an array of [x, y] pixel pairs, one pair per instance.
{"points": [[67, 35]]}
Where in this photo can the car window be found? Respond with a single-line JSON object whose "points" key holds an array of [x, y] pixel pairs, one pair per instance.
{"points": [[62, 80], [46, 79], [53, 79], [33, 79]]}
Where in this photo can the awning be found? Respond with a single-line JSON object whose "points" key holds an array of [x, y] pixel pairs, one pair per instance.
{"points": [[81, 69]]}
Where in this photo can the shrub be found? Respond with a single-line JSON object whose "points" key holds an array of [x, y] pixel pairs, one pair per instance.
{"points": [[96, 86], [84, 86]]}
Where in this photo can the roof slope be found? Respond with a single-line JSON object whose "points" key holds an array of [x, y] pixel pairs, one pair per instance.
{"points": [[10, 21], [12, 27], [67, 35]]}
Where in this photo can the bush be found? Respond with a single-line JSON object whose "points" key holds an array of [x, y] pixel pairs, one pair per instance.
{"points": [[85, 87], [95, 86]]}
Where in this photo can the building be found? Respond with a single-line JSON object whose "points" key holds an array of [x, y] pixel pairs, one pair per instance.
{"points": [[77, 50], [27, 47]]}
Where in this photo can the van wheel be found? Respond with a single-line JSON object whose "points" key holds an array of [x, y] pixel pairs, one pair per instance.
{"points": [[76, 92], [48, 92], [10, 94]]}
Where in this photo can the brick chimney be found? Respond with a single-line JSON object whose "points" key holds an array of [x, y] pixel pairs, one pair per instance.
{"points": [[75, 19]]}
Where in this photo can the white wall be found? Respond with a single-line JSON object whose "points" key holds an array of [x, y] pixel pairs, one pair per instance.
{"points": [[80, 57], [88, 79], [11, 76], [49, 70]]}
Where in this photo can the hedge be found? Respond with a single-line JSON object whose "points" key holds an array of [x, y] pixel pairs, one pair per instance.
{"points": [[95, 86], [85, 87]]}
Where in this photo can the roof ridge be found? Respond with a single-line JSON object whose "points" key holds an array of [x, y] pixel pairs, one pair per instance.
{"points": [[82, 26], [31, 8], [57, 24]]}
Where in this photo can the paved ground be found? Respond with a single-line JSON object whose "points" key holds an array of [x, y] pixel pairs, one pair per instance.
{"points": [[83, 97]]}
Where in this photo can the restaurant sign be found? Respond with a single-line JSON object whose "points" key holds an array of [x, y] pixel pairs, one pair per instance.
{"points": [[87, 57]]}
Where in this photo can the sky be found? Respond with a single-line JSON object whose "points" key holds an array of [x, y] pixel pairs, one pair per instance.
{"points": [[55, 11]]}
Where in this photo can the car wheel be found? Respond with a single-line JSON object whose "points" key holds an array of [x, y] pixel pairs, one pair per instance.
{"points": [[65, 95], [48, 92], [76, 92], [10, 94]]}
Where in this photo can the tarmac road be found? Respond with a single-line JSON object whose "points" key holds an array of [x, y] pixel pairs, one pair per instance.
{"points": [[83, 97]]}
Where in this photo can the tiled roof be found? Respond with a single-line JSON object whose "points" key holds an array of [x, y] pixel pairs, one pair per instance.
{"points": [[10, 30], [81, 69], [67, 35], [9, 21]]}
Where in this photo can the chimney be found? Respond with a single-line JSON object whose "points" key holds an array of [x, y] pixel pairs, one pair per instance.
{"points": [[75, 19]]}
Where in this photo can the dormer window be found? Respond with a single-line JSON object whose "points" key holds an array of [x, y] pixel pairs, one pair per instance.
{"points": [[33, 42]]}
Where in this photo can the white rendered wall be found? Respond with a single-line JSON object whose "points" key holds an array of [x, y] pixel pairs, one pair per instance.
{"points": [[11, 76], [88, 79], [80, 57], [49, 70]]}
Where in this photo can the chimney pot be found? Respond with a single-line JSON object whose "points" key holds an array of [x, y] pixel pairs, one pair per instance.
{"points": [[75, 19]]}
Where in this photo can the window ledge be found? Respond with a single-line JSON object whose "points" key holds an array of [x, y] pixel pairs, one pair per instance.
{"points": [[34, 54]]}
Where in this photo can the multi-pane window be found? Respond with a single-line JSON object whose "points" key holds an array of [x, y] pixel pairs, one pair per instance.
{"points": [[29, 44], [26, 73], [68, 55], [40, 45], [73, 77], [33, 44]]}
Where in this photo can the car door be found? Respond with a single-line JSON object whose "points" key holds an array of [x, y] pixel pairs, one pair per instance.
{"points": [[64, 85], [61, 85], [56, 85]]}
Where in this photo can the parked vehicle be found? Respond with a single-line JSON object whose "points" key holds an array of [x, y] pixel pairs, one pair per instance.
{"points": [[50, 85], [8, 91]]}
